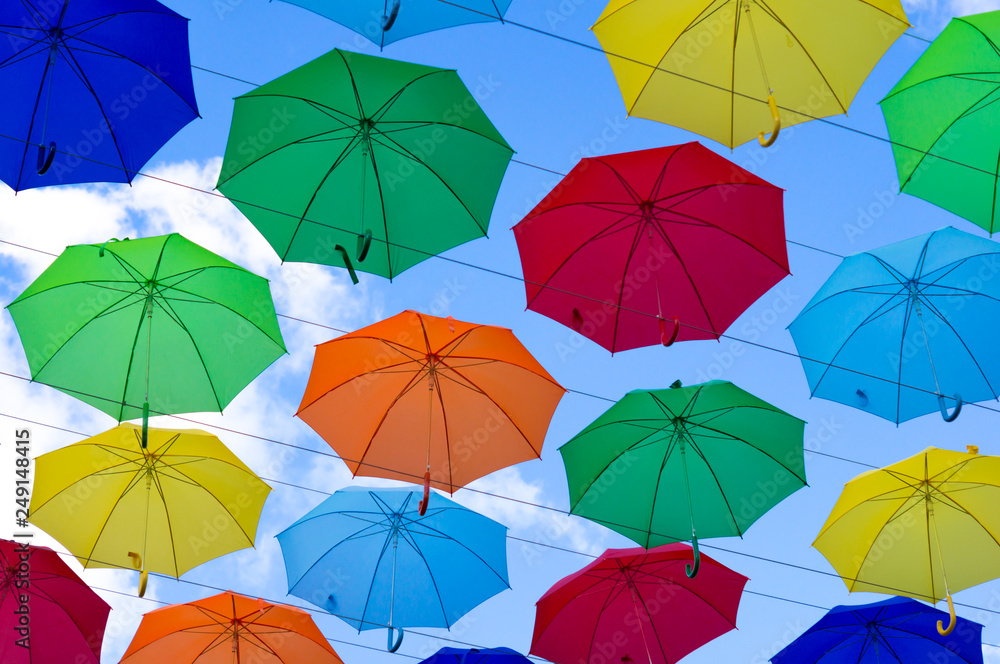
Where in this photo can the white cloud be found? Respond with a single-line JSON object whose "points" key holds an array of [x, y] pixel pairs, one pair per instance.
{"points": [[991, 655]]}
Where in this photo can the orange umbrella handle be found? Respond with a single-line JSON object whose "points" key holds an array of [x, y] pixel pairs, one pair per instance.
{"points": [[768, 142], [942, 630], [422, 508], [664, 339]]}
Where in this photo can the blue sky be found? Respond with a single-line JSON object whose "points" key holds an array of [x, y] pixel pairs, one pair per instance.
{"points": [[554, 102]]}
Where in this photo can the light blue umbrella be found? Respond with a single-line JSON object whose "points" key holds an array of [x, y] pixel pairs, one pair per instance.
{"points": [[369, 558], [893, 630], [386, 21], [906, 329]]}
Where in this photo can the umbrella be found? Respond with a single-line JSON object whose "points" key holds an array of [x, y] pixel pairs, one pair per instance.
{"points": [[159, 321], [63, 619], [676, 233], [924, 527], [942, 118], [229, 629], [485, 400], [897, 330], [722, 68], [91, 89], [370, 558], [350, 149], [383, 22], [702, 461], [476, 656], [175, 504], [897, 629], [635, 605]]}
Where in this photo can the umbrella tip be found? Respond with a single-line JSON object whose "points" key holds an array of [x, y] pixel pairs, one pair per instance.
{"points": [[973, 449], [674, 385]]}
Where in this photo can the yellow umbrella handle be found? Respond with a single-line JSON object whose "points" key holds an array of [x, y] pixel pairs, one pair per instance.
{"points": [[143, 574], [942, 630], [768, 142]]}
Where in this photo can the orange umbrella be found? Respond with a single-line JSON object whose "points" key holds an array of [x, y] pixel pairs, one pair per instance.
{"points": [[229, 629], [484, 401]]}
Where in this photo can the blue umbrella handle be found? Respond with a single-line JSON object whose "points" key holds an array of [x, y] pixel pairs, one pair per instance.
{"points": [[688, 569], [389, 645], [347, 263], [45, 157], [944, 409], [364, 243], [664, 339], [863, 398], [388, 21]]}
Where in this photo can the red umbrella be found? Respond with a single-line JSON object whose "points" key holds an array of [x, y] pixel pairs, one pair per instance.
{"points": [[62, 620], [677, 234], [636, 605]]}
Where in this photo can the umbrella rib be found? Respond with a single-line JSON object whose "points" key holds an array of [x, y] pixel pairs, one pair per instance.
{"points": [[972, 516], [170, 529], [422, 521], [412, 383], [663, 234], [249, 475], [730, 436], [364, 610], [133, 483], [31, 124]]}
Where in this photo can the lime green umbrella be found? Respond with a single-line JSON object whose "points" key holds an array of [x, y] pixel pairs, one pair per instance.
{"points": [[662, 466], [943, 117], [362, 162], [158, 323]]}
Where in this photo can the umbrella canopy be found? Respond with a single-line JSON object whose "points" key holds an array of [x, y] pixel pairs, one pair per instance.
{"points": [[923, 527], [67, 618], [183, 500], [942, 118], [629, 245], [734, 63], [159, 321], [898, 629], [229, 629], [351, 152], [372, 560], [91, 89], [898, 330], [702, 461], [636, 604], [485, 401], [476, 656], [386, 21]]}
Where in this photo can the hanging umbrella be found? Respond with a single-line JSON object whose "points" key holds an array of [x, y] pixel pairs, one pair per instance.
{"points": [[678, 235], [723, 68], [91, 89], [476, 656], [898, 330], [370, 558], [898, 629], [158, 322], [485, 401], [702, 461], [924, 527], [386, 21], [229, 629], [183, 500], [66, 618], [942, 118], [353, 152], [634, 605]]}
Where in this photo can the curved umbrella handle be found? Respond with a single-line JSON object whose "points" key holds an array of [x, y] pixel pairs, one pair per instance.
{"points": [[387, 23], [389, 645], [45, 157], [768, 142], [664, 339], [143, 574], [862, 397], [577, 320], [422, 507], [944, 409], [688, 569], [347, 263], [364, 243], [945, 631], [145, 424]]}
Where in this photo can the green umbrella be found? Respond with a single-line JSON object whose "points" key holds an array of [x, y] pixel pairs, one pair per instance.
{"points": [[158, 322], [943, 117], [351, 152], [662, 466]]}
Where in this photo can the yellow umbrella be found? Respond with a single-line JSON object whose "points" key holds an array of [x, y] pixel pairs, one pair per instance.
{"points": [[182, 501], [715, 67], [924, 527]]}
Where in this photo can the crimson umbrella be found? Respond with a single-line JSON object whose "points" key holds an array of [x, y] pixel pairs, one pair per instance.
{"points": [[653, 246], [62, 619], [636, 605]]}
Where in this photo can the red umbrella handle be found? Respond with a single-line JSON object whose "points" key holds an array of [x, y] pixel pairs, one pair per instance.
{"points": [[664, 339], [422, 508]]}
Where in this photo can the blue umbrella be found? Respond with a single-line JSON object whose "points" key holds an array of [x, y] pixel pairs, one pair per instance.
{"points": [[476, 656], [893, 630], [906, 329], [386, 21], [92, 88], [369, 558]]}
